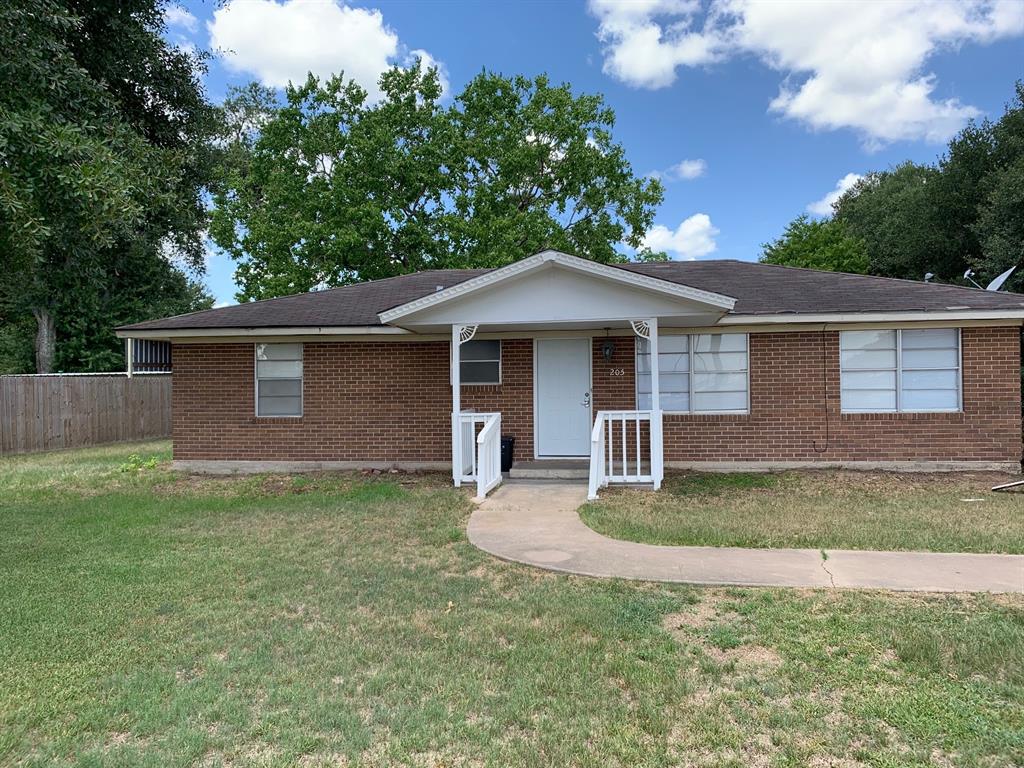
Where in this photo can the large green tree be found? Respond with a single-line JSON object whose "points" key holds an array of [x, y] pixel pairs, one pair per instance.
{"points": [[965, 211], [104, 153], [896, 214], [326, 188], [817, 244]]}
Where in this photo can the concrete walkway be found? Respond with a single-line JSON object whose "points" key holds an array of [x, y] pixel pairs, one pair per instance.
{"points": [[536, 523]]}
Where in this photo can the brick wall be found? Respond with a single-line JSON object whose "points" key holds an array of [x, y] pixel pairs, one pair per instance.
{"points": [[795, 409], [390, 401]]}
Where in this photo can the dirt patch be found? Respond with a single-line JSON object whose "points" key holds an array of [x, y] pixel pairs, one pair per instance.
{"points": [[747, 657], [696, 616]]}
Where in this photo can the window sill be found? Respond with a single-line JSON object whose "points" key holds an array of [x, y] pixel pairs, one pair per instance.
{"points": [[902, 415], [709, 415]]}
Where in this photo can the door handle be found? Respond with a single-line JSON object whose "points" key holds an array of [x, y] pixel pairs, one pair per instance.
{"points": [[586, 400]]}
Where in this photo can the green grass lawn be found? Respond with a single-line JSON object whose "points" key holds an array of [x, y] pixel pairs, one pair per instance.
{"points": [[152, 619], [949, 512]]}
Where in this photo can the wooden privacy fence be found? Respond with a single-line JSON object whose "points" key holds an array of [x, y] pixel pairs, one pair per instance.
{"points": [[47, 412]]}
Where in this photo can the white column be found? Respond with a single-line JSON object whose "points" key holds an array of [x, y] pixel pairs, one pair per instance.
{"points": [[652, 342], [456, 406], [657, 442], [128, 362]]}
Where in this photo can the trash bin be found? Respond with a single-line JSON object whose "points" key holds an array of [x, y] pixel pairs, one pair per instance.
{"points": [[508, 445]]}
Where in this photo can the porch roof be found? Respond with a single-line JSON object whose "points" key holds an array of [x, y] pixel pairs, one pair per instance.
{"points": [[555, 289]]}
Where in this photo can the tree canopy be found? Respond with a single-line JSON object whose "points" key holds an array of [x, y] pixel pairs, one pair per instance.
{"points": [[817, 244], [965, 211], [326, 188], [104, 155]]}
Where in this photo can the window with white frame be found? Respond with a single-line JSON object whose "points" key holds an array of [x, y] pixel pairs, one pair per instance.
{"points": [[701, 373], [278, 379], [900, 370], [480, 362]]}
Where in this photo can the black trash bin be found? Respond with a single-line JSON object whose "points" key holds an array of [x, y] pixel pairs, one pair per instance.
{"points": [[508, 445]]}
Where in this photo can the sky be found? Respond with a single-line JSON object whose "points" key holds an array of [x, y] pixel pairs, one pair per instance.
{"points": [[751, 113]]}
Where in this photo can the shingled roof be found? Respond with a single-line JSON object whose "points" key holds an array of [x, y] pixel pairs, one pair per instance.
{"points": [[759, 289]]}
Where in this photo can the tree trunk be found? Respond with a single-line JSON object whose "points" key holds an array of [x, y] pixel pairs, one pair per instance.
{"points": [[46, 340]]}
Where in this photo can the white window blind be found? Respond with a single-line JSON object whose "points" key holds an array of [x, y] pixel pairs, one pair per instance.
{"points": [[703, 373], [900, 370], [674, 373], [278, 379], [480, 362]]}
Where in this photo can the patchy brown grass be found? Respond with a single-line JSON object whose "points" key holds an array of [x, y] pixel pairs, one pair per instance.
{"points": [[821, 509]]}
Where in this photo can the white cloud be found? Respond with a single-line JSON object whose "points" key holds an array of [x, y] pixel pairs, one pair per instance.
{"points": [[846, 63], [823, 207], [645, 40], [280, 42], [693, 238], [684, 169], [176, 16]]}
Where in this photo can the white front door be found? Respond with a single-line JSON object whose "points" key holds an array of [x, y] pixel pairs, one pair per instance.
{"points": [[562, 387]]}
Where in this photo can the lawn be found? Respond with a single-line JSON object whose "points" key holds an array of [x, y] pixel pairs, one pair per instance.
{"points": [[153, 619], [824, 509]]}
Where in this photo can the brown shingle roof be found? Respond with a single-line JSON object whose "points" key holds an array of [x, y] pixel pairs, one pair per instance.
{"points": [[759, 289]]}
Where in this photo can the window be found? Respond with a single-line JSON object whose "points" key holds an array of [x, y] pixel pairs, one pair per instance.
{"points": [[480, 362], [705, 373], [278, 379], [900, 370]]}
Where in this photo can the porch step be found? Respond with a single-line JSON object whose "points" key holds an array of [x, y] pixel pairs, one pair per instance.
{"points": [[561, 469], [554, 469]]}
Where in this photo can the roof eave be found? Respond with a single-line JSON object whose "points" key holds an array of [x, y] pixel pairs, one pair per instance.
{"points": [[872, 317]]}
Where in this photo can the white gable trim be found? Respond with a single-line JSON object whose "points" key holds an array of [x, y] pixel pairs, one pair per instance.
{"points": [[565, 260]]}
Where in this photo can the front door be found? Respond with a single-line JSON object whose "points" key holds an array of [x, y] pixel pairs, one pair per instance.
{"points": [[562, 387]]}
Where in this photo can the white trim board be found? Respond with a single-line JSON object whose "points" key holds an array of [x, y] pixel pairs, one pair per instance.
{"points": [[877, 317], [727, 324]]}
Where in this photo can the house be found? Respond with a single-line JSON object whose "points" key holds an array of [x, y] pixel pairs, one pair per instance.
{"points": [[633, 368]]}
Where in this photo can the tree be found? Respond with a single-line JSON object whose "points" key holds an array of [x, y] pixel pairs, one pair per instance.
{"points": [[898, 216], [326, 188], [103, 157], [965, 211], [998, 226], [817, 244]]}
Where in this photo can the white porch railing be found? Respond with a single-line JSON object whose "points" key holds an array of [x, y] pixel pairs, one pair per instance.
{"points": [[617, 445], [480, 454]]}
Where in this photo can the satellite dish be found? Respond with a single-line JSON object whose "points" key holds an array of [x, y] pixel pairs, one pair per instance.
{"points": [[996, 284], [969, 275]]}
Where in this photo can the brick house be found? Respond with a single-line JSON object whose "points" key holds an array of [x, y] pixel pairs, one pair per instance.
{"points": [[625, 369]]}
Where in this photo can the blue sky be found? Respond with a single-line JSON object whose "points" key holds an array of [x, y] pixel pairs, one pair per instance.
{"points": [[769, 105]]}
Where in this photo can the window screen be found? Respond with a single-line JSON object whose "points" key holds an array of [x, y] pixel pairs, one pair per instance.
{"points": [[900, 370], [673, 372], [700, 373], [480, 362], [278, 379]]}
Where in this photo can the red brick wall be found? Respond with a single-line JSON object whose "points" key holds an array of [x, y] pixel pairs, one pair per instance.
{"points": [[362, 401], [791, 393], [390, 401]]}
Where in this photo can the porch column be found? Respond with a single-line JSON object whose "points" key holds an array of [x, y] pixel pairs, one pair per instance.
{"points": [[657, 447], [460, 335]]}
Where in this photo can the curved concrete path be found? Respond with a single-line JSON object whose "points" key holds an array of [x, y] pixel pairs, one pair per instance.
{"points": [[536, 523]]}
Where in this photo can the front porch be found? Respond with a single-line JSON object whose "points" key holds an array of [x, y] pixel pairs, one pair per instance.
{"points": [[561, 303]]}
